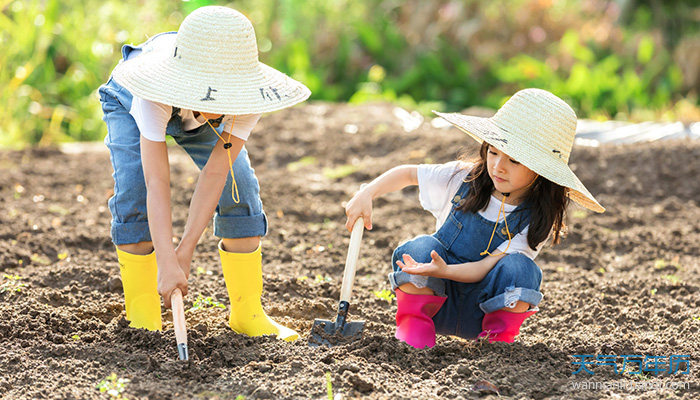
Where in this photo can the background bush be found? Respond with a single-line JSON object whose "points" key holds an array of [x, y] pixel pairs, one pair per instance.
{"points": [[608, 59]]}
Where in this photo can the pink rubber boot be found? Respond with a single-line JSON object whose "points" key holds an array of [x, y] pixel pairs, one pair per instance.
{"points": [[503, 326], [414, 318]]}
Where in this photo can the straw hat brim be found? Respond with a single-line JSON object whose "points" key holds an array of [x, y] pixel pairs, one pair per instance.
{"points": [[543, 164], [158, 77]]}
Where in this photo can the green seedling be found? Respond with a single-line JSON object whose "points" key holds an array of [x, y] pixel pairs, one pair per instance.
{"points": [[663, 264], [202, 271], [329, 386], [206, 302], [75, 337], [40, 259], [301, 163], [385, 294], [339, 172], [320, 278], [673, 279], [11, 283], [113, 386], [653, 291]]}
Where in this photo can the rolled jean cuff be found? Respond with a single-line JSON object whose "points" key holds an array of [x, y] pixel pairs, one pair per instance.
{"points": [[399, 278], [240, 226], [130, 232], [510, 298]]}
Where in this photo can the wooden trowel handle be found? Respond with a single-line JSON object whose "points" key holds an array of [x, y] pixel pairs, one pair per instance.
{"points": [[351, 261], [179, 323]]}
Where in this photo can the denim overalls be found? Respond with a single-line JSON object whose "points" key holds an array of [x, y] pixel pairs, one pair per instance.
{"points": [[128, 204], [462, 238]]}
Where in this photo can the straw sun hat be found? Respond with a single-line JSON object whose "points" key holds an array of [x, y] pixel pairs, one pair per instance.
{"points": [[211, 65], [536, 128]]}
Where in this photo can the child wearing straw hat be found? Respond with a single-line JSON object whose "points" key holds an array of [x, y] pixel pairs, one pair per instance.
{"points": [[476, 275], [204, 86]]}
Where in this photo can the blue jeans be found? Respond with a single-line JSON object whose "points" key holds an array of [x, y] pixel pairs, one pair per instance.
{"points": [[128, 204], [515, 277]]}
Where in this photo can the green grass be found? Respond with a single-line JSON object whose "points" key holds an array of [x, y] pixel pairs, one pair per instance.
{"points": [[113, 386]]}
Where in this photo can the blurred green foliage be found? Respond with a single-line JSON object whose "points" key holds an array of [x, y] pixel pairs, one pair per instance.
{"points": [[624, 58]]}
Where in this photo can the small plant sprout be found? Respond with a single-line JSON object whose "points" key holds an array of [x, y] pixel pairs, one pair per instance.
{"points": [[206, 302], [653, 291], [202, 271], [385, 294], [329, 385], [673, 279], [75, 337], [11, 283], [320, 278], [113, 386]]}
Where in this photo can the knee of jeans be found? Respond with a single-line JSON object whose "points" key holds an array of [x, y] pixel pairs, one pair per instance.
{"points": [[418, 248], [520, 269]]}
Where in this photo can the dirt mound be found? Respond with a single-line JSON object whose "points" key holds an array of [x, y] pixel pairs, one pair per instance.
{"points": [[624, 282]]}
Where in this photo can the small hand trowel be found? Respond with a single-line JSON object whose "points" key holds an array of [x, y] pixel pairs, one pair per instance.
{"points": [[329, 333], [179, 324]]}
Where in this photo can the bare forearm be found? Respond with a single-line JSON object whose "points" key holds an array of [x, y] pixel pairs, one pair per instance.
{"points": [[472, 271], [393, 180], [208, 191], [160, 219], [204, 200]]}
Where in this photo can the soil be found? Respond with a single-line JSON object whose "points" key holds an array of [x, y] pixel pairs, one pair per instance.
{"points": [[622, 283]]}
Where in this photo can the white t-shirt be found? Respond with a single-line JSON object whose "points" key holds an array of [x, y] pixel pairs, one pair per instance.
{"points": [[152, 118], [438, 184]]}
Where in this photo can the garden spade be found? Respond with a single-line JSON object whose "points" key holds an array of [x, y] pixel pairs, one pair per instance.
{"points": [[328, 333], [179, 324]]}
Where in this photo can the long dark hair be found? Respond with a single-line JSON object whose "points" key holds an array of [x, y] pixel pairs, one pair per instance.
{"points": [[546, 200]]}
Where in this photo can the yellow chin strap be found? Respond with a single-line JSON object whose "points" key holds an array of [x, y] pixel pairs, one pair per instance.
{"points": [[227, 146], [505, 220], [500, 210]]}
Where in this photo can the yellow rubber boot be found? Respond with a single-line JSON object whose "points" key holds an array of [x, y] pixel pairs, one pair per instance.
{"points": [[140, 282], [243, 276]]}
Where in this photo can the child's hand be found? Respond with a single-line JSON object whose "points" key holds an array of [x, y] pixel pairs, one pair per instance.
{"points": [[359, 206], [170, 277], [437, 268]]}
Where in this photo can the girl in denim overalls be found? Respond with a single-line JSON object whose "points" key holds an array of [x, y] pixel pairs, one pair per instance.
{"points": [[475, 276], [205, 87]]}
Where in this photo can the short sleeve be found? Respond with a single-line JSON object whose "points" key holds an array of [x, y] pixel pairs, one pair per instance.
{"points": [[519, 245], [437, 183], [151, 118], [240, 126]]}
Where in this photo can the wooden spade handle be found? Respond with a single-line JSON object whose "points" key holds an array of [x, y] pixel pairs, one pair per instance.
{"points": [[351, 261], [179, 321]]}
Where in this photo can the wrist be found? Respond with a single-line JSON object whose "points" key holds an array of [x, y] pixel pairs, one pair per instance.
{"points": [[186, 245]]}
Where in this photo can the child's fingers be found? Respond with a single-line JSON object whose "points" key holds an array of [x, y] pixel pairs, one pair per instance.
{"points": [[436, 257], [400, 264], [350, 222]]}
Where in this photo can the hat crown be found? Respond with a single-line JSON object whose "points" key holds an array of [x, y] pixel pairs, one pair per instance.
{"points": [[541, 119], [217, 39]]}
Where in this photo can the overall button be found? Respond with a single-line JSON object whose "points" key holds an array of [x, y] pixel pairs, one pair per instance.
{"points": [[504, 231], [461, 202], [456, 198]]}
